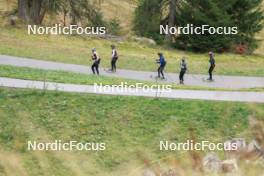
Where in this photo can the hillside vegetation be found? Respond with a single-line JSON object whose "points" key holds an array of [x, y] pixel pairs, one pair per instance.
{"points": [[131, 127], [124, 10], [120, 9]]}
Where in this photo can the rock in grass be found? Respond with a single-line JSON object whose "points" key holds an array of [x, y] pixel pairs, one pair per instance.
{"points": [[211, 163], [241, 147], [148, 172], [144, 40], [229, 166]]}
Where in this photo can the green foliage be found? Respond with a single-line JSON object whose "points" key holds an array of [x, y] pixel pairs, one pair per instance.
{"points": [[209, 13], [52, 6], [82, 11], [148, 18], [248, 16], [244, 14], [114, 26]]}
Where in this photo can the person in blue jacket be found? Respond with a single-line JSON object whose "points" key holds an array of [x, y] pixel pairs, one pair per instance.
{"points": [[162, 63]]}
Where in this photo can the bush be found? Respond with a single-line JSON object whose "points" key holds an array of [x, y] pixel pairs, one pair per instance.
{"points": [[114, 27]]}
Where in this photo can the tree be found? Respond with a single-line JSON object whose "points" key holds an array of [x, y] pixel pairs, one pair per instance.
{"points": [[83, 12], [80, 11], [33, 11], [200, 13], [248, 16], [171, 17], [148, 18], [151, 14], [22, 9], [244, 14]]}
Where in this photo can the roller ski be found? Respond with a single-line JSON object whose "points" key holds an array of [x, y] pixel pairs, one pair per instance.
{"points": [[109, 71], [158, 78], [208, 80]]}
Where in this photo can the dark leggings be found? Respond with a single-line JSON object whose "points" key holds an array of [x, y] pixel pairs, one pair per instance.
{"points": [[160, 71], [95, 67], [113, 64], [182, 75], [211, 69]]}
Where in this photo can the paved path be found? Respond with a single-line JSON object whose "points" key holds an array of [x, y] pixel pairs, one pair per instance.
{"points": [[232, 82], [257, 97]]}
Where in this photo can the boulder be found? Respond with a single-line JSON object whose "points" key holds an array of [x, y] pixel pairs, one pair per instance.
{"points": [[252, 146], [148, 172], [212, 163], [241, 147], [229, 166], [145, 40], [13, 20]]}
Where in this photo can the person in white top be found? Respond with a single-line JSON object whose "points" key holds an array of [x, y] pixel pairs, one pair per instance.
{"points": [[96, 62], [183, 69], [114, 58]]}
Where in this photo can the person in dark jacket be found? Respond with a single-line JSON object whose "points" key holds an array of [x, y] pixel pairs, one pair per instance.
{"points": [[162, 63], [212, 66], [183, 69], [96, 62], [114, 58]]}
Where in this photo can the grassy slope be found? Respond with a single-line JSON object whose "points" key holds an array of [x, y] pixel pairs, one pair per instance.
{"points": [[132, 55], [120, 9], [131, 126], [70, 49]]}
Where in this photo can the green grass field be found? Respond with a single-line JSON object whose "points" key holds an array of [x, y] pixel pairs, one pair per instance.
{"points": [[132, 128], [135, 56]]}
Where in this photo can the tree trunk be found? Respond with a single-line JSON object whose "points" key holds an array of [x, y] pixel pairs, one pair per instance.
{"points": [[31, 11], [65, 12], [35, 11], [42, 15], [171, 19], [22, 10]]}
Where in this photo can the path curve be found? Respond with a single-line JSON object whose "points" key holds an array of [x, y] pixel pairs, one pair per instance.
{"points": [[257, 97]]}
